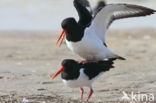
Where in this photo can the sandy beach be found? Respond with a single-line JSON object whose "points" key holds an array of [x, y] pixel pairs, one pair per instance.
{"points": [[29, 58]]}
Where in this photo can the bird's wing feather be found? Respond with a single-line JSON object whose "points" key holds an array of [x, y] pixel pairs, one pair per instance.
{"points": [[84, 15], [92, 69], [112, 12], [86, 4]]}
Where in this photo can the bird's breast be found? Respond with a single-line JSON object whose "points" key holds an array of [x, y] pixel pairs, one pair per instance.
{"points": [[88, 48], [82, 80]]}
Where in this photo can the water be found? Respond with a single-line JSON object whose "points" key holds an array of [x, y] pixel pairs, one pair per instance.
{"points": [[48, 14]]}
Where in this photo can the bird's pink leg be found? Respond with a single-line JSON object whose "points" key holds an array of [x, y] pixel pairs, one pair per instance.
{"points": [[90, 94], [82, 91]]}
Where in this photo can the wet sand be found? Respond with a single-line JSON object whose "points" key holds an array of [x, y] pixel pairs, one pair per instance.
{"points": [[29, 58]]}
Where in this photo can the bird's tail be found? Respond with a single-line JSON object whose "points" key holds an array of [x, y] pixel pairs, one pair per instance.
{"points": [[117, 57], [107, 64]]}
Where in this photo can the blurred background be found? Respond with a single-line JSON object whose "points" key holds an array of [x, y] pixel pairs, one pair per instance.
{"points": [[48, 14]]}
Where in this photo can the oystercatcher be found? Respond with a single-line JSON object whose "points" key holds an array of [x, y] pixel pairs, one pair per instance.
{"points": [[88, 39], [80, 75]]}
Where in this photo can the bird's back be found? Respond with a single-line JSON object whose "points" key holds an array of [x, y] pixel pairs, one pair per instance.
{"points": [[93, 69]]}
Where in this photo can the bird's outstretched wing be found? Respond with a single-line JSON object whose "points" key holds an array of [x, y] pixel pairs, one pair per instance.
{"points": [[112, 12], [85, 16]]}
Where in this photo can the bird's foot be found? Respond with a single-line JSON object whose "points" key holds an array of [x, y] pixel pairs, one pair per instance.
{"points": [[82, 91], [90, 94]]}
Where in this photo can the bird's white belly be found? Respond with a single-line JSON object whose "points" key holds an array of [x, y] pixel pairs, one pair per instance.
{"points": [[77, 83], [82, 81], [88, 48]]}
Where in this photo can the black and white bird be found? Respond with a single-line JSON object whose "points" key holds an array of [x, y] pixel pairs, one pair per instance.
{"points": [[78, 75], [87, 39]]}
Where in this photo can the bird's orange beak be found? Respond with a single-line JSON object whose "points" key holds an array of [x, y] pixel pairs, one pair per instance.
{"points": [[61, 70], [61, 36]]}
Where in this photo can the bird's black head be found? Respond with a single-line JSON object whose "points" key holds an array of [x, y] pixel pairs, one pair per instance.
{"points": [[69, 64], [74, 31], [69, 70], [68, 23]]}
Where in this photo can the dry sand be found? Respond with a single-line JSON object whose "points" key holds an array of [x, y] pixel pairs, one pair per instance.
{"points": [[29, 58]]}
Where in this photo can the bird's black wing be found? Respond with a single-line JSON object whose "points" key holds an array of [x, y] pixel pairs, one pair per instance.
{"points": [[92, 69], [86, 4], [85, 16]]}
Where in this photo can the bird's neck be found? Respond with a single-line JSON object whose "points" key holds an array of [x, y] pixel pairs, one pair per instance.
{"points": [[75, 35]]}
